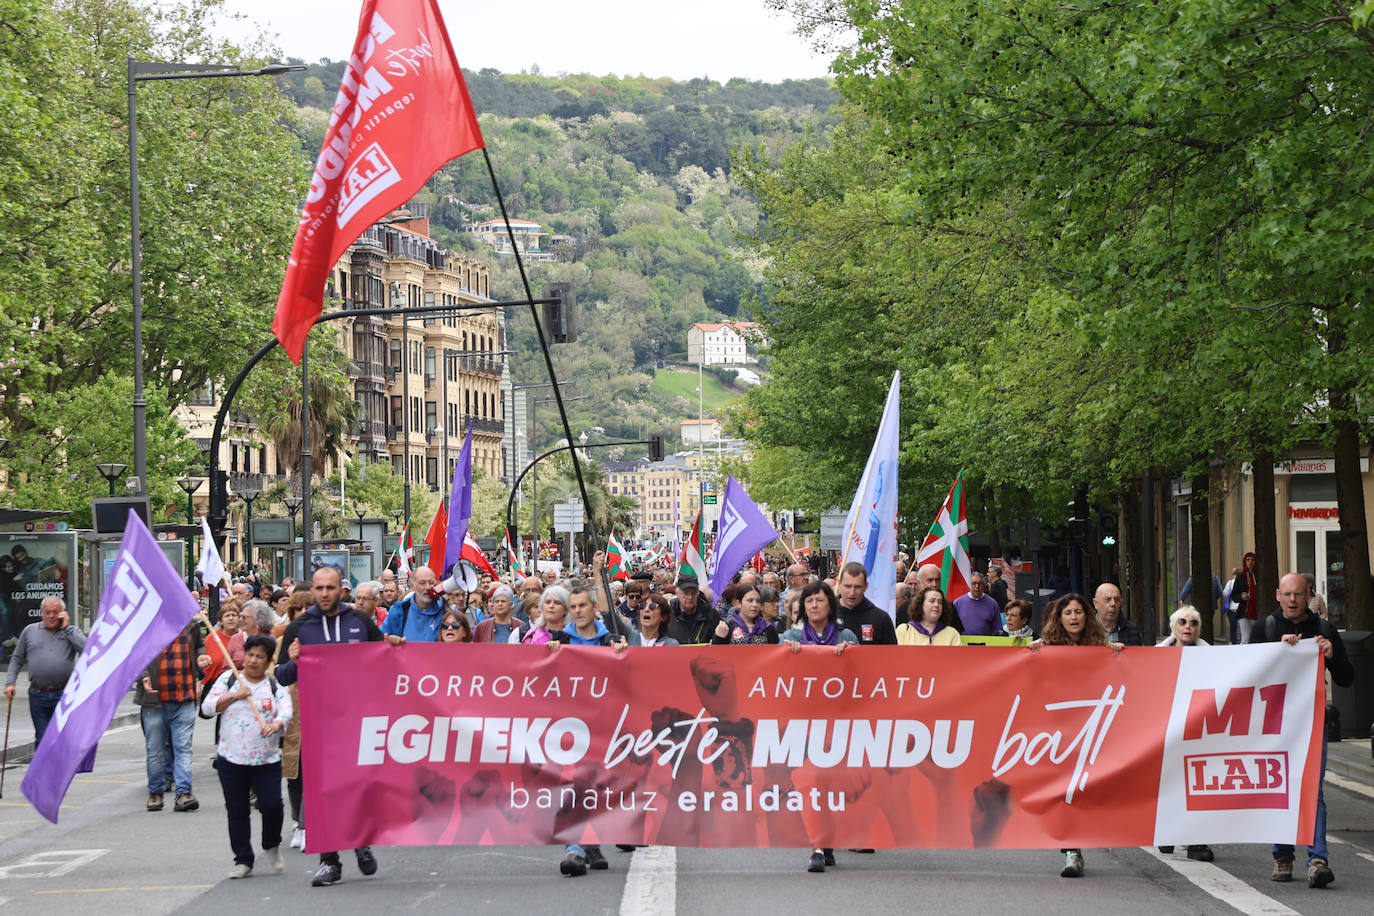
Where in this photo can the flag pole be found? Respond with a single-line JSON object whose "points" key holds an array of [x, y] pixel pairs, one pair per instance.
{"points": [[227, 657], [553, 376]]}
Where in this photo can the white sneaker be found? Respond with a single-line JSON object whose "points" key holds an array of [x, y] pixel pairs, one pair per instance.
{"points": [[298, 838], [240, 871], [273, 857]]}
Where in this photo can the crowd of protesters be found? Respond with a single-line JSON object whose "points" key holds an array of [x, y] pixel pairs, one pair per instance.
{"points": [[242, 673]]}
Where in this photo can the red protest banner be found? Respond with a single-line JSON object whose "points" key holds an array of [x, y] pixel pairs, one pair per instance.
{"points": [[756, 747]]}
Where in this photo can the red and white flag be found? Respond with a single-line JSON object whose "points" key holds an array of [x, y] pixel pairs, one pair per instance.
{"points": [[946, 544], [474, 555], [402, 112]]}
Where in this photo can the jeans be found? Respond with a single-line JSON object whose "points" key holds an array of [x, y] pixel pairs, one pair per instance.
{"points": [[236, 780], [177, 720], [1318, 848], [576, 850], [41, 706]]}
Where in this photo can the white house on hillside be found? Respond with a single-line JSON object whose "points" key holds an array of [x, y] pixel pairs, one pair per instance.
{"points": [[719, 344]]}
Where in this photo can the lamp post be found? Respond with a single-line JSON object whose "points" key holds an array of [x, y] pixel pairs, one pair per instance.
{"points": [[142, 71], [362, 514], [111, 473], [293, 505], [248, 496], [190, 485]]}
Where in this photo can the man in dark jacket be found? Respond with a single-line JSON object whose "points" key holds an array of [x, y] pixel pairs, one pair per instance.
{"points": [[693, 619], [1107, 603], [1292, 623], [328, 622], [858, 615]]}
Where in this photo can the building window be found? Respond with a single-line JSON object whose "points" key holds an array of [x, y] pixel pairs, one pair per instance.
{"points": [[396, 355]]}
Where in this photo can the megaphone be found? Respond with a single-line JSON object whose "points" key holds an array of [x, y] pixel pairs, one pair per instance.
{"points": [[463, 577]]}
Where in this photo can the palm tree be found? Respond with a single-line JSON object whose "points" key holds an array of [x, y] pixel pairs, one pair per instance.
{"points": [[332, 412]]}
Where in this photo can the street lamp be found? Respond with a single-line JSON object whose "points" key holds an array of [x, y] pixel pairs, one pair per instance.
{"points": [[111, 473], [190, 485], [362, 514], [141, 71], [248, 496]]}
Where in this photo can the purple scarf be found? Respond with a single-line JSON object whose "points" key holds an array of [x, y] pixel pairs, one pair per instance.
{"points": [[930, 634], [828, 638], [755, 629]]}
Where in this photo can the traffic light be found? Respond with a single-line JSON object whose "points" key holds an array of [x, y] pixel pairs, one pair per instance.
{"points": [[655, 448], [560, 316], [553, 533], [1107, 529], [219, 499]]}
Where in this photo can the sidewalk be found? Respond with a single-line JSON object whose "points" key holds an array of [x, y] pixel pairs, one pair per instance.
{"points": [[21, 744], [1350, 757]]}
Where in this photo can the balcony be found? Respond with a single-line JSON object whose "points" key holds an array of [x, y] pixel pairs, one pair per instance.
{"points": [[484, 426], [240, 481]]}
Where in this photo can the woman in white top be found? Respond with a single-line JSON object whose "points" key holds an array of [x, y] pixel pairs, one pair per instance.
{"points": [[249, 753], [1184, 626]]}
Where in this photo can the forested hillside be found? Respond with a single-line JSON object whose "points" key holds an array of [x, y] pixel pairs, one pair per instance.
{"points": [[636, 174]]}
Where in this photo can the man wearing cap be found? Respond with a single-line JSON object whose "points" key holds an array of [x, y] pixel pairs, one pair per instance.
{"points": [[693, 619]]}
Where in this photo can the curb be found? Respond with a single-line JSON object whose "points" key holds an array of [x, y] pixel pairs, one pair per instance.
{"points": [[23, 753]]}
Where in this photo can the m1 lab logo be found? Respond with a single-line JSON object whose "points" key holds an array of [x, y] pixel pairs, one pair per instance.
{"points": [[1228, 780]]}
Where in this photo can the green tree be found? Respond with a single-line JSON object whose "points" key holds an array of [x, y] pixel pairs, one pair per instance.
{"points": [[220, 180], [52, 463]]}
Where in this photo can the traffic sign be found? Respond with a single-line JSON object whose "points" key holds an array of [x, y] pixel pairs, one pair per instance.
{"points": [[709, 499], [568, 516]]}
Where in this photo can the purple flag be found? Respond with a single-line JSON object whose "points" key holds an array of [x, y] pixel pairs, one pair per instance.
{"points": [[459, 506], [144, 607], [743, 531]]}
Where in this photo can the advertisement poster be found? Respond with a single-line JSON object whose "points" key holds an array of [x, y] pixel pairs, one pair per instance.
{"points": [[32, 567], [882, 747]]}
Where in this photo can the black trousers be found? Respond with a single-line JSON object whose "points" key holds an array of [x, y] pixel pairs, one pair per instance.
{"points": [[236, 780]]}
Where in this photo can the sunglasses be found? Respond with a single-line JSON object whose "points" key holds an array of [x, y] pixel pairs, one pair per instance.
{"points": [[452, 626]]}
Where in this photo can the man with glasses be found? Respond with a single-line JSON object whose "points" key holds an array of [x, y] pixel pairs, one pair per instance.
{"points": [[529, 590], [636, 594], [1291, 624], [797, 578]]}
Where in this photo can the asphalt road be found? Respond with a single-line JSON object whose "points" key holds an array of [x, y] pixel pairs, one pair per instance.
{"points": [[109, 856]]}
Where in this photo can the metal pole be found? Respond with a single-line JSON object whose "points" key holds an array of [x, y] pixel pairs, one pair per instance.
{"points": [[136, 268], [443, 449], [405, 404], [305, 461], [248, 536]]}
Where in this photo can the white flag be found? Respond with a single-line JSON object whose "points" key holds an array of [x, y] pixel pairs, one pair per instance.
{"points": [[870, 530], [210, 569]]}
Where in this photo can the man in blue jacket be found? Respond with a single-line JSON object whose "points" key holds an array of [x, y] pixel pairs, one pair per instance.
{"points": [[327, 622], [416, 617]]}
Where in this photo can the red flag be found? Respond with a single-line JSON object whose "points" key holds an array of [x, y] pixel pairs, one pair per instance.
{"points": [[474, 555], [402, 111], [437, 535]]}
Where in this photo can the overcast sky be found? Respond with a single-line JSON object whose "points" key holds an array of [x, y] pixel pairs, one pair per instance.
{"points": [[718, 39]]}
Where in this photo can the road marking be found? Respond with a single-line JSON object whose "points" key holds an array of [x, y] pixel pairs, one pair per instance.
{"points": [[111, 890], [54, 863], [1359, 850], [1349, 785], [1223, 885], [651, 885]]}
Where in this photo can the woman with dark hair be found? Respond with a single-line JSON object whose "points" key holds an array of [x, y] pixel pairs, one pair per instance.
{"points": [[1069, 622], [931, 623], [1016, 621], [654, 617], [1245, 592], [454, 627], [249, 751], [817, 624], [746, 625], [818, 627]]}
